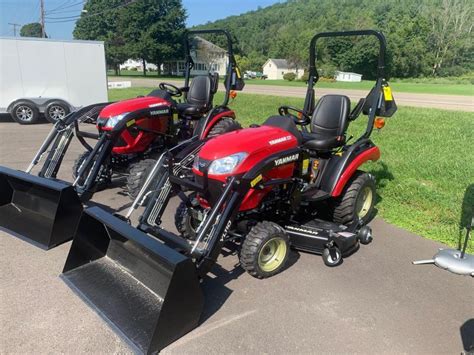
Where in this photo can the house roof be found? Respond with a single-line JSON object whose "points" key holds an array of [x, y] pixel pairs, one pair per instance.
{"points": [[280, 63]]}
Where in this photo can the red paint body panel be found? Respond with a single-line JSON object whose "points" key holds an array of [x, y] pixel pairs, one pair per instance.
{"points": [[140, 142], [370, 154], [214, 120]]}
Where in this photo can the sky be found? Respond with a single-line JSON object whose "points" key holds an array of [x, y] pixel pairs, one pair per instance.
{"points": [[26, 11]]}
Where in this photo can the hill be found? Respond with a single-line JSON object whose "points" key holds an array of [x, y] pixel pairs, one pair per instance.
{"points": [[425, 37]]}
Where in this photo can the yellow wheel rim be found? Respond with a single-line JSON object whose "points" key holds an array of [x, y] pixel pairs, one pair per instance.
{"points": [[364, 202], [272, 254]]}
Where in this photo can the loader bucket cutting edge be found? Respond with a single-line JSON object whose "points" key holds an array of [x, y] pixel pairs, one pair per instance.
{"points": [[144, 289], [42, 211]]}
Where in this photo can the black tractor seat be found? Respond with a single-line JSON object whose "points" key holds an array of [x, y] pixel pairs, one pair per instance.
{"points": [[199, 96], [328, 124]]}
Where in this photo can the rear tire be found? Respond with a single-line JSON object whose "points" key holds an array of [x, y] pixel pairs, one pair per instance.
{"points": [[265, 250], [224, 125], [357, 201], [25, 112], [137, 176], [56, 110]]}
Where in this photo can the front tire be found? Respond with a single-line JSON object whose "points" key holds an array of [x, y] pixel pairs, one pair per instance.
{"points": [[224, 125], [184, 222], [25, 112], [103, 178], [265, 250], [137, 176], [357, 201]]}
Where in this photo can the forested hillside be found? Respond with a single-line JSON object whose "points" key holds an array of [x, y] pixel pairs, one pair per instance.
{"points": [[425, 37]]}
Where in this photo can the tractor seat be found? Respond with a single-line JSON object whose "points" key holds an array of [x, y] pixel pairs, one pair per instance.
{"points": [[199, 96], [328, 123]]}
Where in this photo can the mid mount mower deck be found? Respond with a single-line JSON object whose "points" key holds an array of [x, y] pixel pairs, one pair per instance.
{"points": [[131, 134], [260, 189]]}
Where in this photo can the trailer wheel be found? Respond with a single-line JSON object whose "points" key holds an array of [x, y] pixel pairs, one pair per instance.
{"points": [[224, 125], [265, 250], [25, 112], [138, 173], [356, 201], [103, 178], [55, 111]]}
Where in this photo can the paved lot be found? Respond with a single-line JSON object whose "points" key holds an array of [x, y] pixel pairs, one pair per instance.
{"points": [[445, 102], [375, 302]]}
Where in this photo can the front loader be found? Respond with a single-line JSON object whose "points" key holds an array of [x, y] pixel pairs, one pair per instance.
{"points": [[254, 188]]}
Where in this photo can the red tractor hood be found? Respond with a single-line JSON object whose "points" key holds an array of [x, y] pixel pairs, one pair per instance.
{"points": [[258, 143], [131, 105]]}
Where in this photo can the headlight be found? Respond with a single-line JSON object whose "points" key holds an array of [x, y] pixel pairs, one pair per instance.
{"points": [[227, 164], [112, 121]]}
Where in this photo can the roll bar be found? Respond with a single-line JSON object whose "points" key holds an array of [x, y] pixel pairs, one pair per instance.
{"points": [[230, 53]]}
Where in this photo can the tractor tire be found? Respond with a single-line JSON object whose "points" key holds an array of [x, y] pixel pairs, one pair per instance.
{"points": [[224, 125], [100, 181], [55, 111], [265, 250], [356, 201], [25, 112], [137, 176], [185, 223]]}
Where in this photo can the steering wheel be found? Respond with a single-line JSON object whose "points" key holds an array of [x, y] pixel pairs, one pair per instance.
{"points": [[171, 89], [301, 118]]}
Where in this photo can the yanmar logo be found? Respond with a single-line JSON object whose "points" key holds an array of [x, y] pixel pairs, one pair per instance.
{"points": [[279, 140], [304, 230], [287, 159], [159, 112]]}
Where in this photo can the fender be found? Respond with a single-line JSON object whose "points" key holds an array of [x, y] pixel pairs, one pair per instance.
{"points": [[214, 119], [340, 169]]}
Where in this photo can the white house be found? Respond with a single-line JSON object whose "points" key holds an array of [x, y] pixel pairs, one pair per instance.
{"points": [[129, 64], [275, 69], [207, 57], [346, 76]]}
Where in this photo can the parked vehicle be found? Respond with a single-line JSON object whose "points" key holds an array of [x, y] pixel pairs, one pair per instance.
{"points": [[131, 134], [50, 77], [257, 189]]}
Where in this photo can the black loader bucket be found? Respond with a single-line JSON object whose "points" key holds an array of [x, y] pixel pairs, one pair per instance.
{"points": [[147, 291], [43, 211]]}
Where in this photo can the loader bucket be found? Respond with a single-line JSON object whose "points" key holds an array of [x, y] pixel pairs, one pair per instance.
{"points": [[144, 289], [43, 211]]}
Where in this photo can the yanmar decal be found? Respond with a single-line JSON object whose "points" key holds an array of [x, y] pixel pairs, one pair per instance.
{"points": [[287, 159], [279, 140]]}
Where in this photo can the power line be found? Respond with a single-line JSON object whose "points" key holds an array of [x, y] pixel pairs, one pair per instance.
{"points": [[62, 6], [15, 25], [42, 18]]}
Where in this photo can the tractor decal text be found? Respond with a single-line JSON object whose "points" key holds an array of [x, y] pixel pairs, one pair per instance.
{"points": [[304, 230], [286, 160], [279, 140], [159, 112]]}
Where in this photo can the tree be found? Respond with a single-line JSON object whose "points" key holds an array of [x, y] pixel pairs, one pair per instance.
{"points": [[31, 30], [100, 23]]}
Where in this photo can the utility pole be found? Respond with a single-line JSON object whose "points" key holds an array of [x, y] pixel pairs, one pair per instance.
{"points": [[42, 18], [15, 25]]}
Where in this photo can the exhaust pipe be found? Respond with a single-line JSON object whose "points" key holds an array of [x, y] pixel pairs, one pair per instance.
{"points": [[143, 288], [42, 211]]}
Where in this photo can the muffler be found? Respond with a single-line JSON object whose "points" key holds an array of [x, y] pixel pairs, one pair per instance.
{"points": [[143, 288], [45, 212]]}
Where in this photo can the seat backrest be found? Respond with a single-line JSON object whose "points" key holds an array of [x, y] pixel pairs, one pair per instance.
{"points": [[200, 91], [331, 115]]}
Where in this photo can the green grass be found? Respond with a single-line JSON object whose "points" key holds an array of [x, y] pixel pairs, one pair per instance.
{"points": [[425, 168]]}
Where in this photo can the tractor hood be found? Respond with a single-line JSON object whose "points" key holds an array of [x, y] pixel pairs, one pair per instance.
{"points": [[257, 144], [131, 105]]}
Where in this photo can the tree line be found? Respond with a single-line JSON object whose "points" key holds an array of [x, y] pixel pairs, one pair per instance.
{"points": [[425, 37]]}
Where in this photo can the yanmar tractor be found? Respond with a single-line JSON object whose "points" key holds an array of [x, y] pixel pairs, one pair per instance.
{"points": [[130, 135], [258, 189]]}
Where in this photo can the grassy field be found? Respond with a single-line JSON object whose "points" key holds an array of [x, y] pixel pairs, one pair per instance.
{"points": [[399, 86], [426, 165]]}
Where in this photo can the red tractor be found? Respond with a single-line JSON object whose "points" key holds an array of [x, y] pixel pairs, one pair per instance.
{"points": [[130, 135], [257, 190]]}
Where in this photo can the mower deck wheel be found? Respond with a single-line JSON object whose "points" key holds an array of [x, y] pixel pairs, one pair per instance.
{"points": [[356, 201], [332, 256], [265, 250], [136, 178], [224, 125]]}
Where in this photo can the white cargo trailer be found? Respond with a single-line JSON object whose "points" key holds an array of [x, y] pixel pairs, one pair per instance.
{"points": [[50, 77]]}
